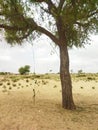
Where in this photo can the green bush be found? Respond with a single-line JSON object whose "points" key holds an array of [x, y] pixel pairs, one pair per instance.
{"points": [[24, 70]]}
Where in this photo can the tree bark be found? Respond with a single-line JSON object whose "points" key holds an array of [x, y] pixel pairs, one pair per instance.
{"points": [[67, 98]]}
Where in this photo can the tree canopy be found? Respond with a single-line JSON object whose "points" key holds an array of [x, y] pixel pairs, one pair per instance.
{"points": [[24, 70], [26, 19]]}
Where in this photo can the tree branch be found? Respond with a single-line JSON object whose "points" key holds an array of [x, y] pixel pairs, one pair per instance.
{"points": [[51, 7], [3, 26], [46, 32], [61, 4], [45, 10]]}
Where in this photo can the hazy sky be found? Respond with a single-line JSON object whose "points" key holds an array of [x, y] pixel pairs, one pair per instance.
{"points": [[42, 57]]}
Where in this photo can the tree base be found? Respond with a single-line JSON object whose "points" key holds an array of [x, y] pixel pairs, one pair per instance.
{"points": [[69, 106]]}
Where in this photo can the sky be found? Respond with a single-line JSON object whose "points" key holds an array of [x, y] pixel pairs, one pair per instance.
{"points": [[43, 57]]}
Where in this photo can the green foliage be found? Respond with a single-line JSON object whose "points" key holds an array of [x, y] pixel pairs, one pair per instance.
{"points": [[24, 70], [4, 73], [15, 20], [77, 19], [80, 19]]}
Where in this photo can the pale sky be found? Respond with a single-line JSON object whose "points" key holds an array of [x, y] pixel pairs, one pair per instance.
{"points": [[42, 57]]}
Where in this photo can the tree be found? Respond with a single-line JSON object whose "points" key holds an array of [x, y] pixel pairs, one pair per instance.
{"points": [[67, 23], [24, 70], [80, 71]]}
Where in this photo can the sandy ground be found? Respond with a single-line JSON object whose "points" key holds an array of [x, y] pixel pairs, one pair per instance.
{"points": [[19, 110]]}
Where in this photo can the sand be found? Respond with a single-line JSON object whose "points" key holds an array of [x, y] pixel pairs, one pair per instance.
{"points": [[20, 109]]}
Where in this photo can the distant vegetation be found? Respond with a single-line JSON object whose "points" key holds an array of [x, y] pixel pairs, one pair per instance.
{"points": [[24, 70], [56, 77], [4, 73]]}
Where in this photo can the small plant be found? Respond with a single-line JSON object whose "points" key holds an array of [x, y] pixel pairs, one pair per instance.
{"points": [[14, 80], [90, 78], [35, 81], [14, 85], [44, 82], [93, 87], [8, 83], [1, 84], [27, 80], [81, 87], [19, 84], [10, 88], [55, 86]]}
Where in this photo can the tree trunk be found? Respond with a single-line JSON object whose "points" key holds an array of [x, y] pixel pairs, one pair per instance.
{"points": [[67, 98]]}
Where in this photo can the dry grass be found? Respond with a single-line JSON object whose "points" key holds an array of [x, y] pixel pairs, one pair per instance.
{"points": [[21, 110]]}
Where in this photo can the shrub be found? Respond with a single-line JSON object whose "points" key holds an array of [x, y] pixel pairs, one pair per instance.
{"points": [[93, 87], [24, 70], [4, 73], [1, 84], [14, 85], [10, 88], [27, 80], [19, 84], [90, 78], [8, 83]]}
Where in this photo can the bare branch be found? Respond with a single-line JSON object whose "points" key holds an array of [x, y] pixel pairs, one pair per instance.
{"points": [[45, 10]]}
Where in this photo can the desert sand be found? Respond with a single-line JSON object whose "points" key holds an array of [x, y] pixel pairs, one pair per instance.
{"points": [[35, 104]]}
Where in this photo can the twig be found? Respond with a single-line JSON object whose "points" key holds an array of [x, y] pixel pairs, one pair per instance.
{"points": [[34, 96]]}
